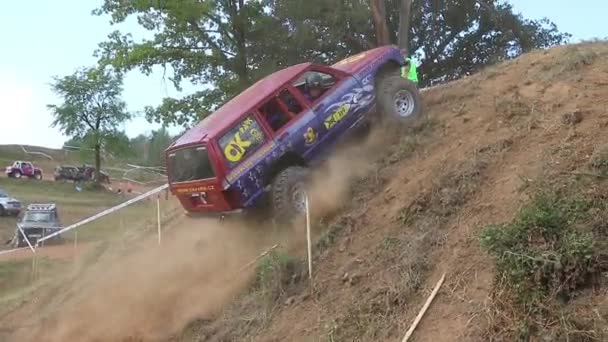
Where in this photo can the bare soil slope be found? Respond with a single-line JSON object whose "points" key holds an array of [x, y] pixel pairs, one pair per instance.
{"points": [[487, 141]]}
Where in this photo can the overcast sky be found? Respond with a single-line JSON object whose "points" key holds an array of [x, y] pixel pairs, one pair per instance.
{"points": [[43, 38]]}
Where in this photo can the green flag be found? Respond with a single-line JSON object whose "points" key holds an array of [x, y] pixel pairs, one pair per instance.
{"points": [[412, 73]]}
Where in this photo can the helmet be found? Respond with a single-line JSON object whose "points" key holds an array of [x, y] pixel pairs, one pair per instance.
{"points": [[314, 81]]}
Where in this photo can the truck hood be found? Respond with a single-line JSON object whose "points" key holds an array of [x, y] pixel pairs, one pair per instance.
{"points": [[356, 62]]}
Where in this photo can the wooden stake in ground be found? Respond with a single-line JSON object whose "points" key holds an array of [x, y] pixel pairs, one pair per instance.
{"points": [[308, 242], [158, 216], [25, 238], [423, 310], [256, 259]]}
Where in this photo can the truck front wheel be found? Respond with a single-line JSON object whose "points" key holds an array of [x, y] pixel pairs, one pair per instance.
{"points": [[288, 193], [398, 98]]}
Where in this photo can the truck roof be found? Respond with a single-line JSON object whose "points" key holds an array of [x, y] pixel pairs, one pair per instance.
{"points": [[233, 109]]}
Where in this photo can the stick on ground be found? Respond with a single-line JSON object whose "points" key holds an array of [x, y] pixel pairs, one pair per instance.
{"points": [[424, 308]]}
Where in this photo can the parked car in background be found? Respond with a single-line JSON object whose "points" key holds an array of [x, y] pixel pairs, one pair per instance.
{"points": [[84, 173], [87, 173], [39, 220], [66, 172], [9, 205], [23, 169]]}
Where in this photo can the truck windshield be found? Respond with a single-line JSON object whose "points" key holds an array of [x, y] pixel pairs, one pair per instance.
{"points": [[189, 164], [37, 216]]}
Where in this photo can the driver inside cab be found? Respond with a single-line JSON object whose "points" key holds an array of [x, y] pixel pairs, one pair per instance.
{"points": [[314, 87]]}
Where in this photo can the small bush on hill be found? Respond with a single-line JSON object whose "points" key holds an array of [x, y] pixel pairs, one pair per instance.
{"points": [[545, 257], [540, 253]]}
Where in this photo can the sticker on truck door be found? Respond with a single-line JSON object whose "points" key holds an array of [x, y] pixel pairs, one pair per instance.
{"points": [[242, 140], [336, 116]]}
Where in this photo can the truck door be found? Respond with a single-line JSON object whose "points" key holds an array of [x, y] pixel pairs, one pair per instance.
{"points": [[337, 108]]}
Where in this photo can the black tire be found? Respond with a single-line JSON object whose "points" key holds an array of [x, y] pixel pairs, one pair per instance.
{"points": [[285, 208], [38, 176], [390, 85], [2, 211], [15, 174]]}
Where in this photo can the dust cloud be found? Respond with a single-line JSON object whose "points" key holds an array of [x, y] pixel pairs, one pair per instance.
{"points": [[155, 291], [331, 184]]}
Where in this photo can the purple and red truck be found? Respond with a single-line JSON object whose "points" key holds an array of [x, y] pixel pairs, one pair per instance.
{"points": [[23, 169], [257, 149]]}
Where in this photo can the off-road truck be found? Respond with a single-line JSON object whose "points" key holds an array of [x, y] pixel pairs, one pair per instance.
{"points": [[258, 147], [9, 205], [65, 172], [38, 221], [23, 169]]}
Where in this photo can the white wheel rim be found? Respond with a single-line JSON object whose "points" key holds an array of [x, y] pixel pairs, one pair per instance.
{"points": [[404, 103]]}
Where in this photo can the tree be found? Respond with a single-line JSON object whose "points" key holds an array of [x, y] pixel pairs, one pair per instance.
{"points": [[226, 45], [205, 42], [159, 141], [404, 25], [117, 146], [450, 38], [92, 109], [378, 8]]}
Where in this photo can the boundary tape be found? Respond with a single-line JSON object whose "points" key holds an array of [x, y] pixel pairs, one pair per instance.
{"points": [[87, 220], [105, 212]]}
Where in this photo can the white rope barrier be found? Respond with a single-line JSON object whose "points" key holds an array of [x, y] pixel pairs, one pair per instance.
{"points": [[105, 212]]}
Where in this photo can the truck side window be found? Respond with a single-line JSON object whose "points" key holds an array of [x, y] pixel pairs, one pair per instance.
{"points": [[292, 103], [276, 113], [325, 82], [242, 140]]}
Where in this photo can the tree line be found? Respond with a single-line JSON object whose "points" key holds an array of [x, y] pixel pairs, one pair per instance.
{"points": [[223, 46], [146, 149]]}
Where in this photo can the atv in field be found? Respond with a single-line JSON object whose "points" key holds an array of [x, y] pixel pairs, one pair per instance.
{"points": [[39, 220], [23, 169], [9, 205], [258, 147]]}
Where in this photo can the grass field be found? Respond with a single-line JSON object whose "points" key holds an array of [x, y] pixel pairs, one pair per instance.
{"points": [[93, 239]]}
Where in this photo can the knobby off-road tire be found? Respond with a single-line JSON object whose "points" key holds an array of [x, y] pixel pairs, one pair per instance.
{"points": [[37, 176], [15, 174], [2, 211], [288, 194], [399, 99]]}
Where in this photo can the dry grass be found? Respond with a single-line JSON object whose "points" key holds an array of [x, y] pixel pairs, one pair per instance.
{"points": [[569, 62], [599, 160], [276, 279], [555, 259], [404, 257]]}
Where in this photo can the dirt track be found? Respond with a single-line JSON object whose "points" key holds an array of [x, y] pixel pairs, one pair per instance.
{"points": [[65, 251]]}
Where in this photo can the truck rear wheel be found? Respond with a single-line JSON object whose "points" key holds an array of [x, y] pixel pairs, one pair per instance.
{"points": [[398, 98], [288, 194], [15, 174]]}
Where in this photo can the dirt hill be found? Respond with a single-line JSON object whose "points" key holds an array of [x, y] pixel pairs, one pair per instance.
{"points": [[490, 145], [502, 187]]}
